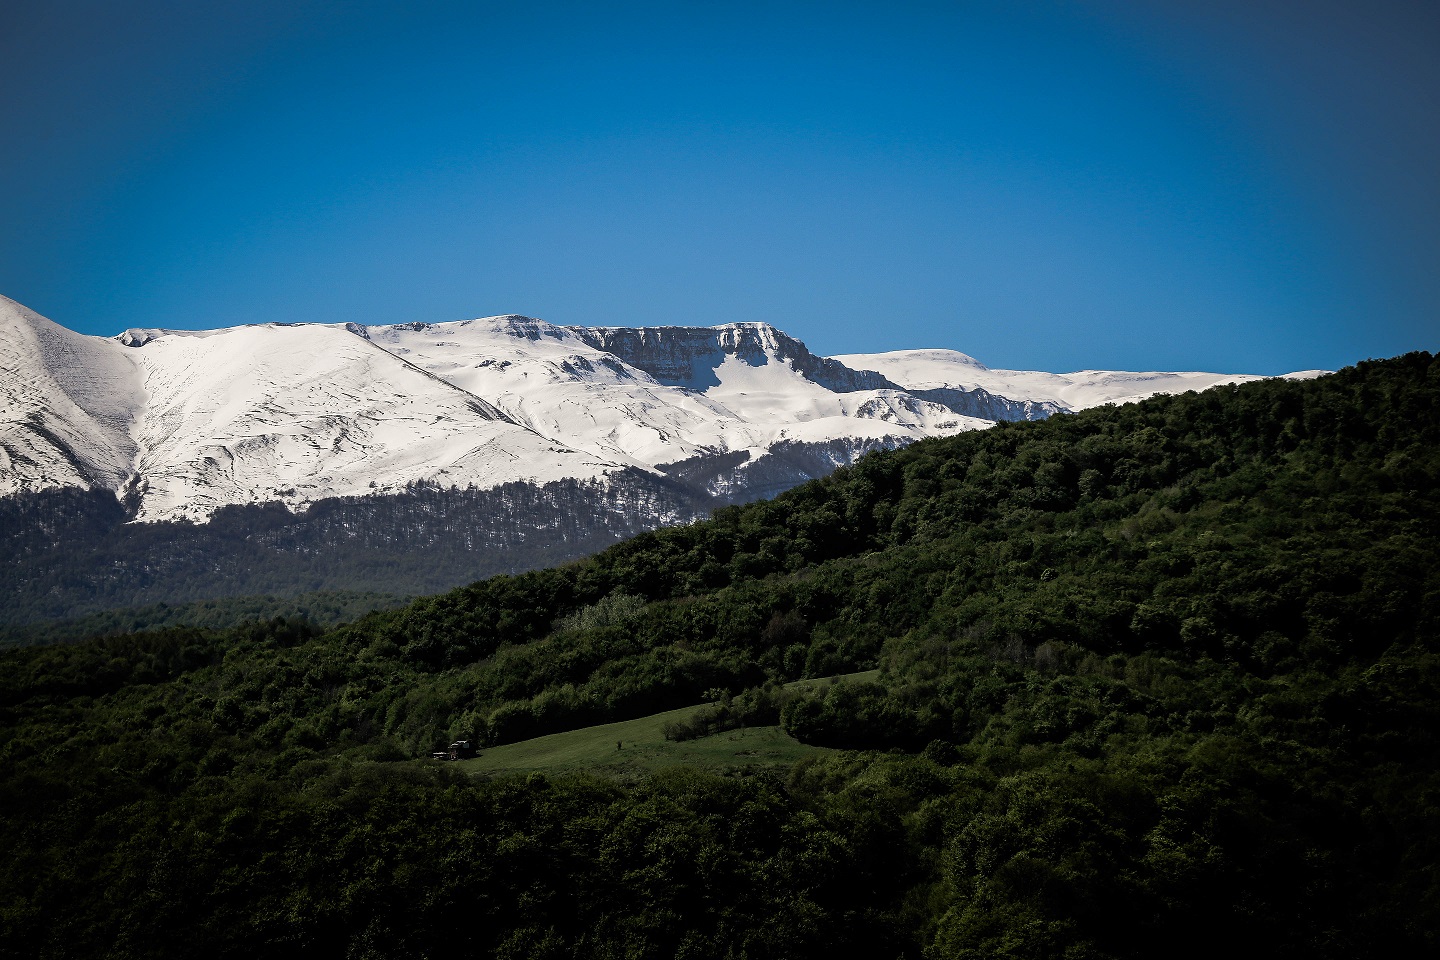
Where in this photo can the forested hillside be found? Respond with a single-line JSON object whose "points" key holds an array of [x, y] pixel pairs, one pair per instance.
{"points": [[71, 558], [67, 554], [325, 608], [1159, 679]]}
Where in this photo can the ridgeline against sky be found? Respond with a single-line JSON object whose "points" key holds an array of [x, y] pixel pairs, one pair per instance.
{"points": [[1245, 187]]}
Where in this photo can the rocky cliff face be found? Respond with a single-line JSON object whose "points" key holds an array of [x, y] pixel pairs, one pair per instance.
{"points": [[688, 356]]}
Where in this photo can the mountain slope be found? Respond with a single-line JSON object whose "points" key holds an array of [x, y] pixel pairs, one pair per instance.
{"points": [[69, 405], [301, 413]]}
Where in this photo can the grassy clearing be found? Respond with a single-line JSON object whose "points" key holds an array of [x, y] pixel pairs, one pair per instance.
{"points": [[636, 747]]}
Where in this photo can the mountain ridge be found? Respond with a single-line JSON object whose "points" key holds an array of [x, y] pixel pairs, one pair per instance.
{"points": [[181, 423]]}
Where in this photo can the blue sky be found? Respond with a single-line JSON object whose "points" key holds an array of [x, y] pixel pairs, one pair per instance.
{"points": [[1244, 187]]}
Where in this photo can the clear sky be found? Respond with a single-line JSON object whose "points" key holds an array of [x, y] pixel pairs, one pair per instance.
{"points": [[1191, 184]]}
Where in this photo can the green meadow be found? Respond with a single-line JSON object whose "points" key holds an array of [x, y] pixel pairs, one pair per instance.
{"points": [[636, 747]]}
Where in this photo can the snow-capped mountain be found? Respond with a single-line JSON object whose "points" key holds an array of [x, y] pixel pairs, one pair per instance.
{"points": [[180, 423]]}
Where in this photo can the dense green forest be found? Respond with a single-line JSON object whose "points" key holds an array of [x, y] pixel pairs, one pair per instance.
{"points": [[72, 559], [1153, 679], [325, 608], [67, 555]]}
